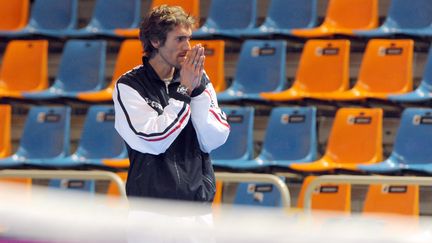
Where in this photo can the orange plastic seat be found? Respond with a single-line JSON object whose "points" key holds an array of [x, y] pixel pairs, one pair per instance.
{"points": [[328, 197], [386, 69], [323, 68], [24, 68], [5, 130], [112, 188], [14, 14], [116, 163], [392, 199], [129, 56], [214, 61], [191, 7], [344, 17], [355, 139]]}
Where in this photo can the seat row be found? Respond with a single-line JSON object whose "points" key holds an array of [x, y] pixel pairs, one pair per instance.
{"points": [[354, 143], [295, 18], [322, 73]]}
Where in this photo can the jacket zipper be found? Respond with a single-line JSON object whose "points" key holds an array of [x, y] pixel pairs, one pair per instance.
{"points": [[210, 182], [177, 171]]}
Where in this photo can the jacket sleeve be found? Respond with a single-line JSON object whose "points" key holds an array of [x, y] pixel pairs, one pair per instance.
{"points": [[208, 119], [142, 127]]}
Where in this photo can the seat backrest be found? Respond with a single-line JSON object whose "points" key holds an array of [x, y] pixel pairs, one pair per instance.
{"points": [[393, 199], [191, 7], [324, 66], [386, 66], [46, 133], [427, 72], [353, 14], [303, 14], [239, 144], [69, 184], [54, 14], [5, 130], [99, 139], [257, 194], [214, 61], [327, 197], [356, 136], [128, 57], [261, 66], [414, 136], [116, 14], [28, 55], [409, 14], [291, 134], [82, 66], [227, 14], [14, 14]]}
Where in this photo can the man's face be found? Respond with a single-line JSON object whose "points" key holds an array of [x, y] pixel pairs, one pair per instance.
{"points": [[176, 46]]}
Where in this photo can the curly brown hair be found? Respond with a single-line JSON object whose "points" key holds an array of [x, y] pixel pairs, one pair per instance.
{"points": [[160, 21]]}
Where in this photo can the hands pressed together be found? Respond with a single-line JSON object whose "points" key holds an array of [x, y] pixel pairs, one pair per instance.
{"points": [[193, 68]]}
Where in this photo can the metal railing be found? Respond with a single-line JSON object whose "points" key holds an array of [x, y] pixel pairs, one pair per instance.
{"points": [[251, 177], [361, 180], [67, 174]]}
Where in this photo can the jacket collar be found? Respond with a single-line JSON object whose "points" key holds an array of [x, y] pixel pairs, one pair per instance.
{"points": [[154, 76]]}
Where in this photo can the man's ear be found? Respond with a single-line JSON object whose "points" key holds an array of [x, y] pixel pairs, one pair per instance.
{"points": [[155, 43]]}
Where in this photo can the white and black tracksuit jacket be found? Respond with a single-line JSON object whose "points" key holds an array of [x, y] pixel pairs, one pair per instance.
{"points": [[168, 134]]}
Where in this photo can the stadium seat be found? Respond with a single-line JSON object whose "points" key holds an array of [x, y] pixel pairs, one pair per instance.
{"points": [[82, 68], [392, 199], [227, 17], [214, 61], [386, 69], [302, 14], [290, 137], [28, 55], [5, 130], [327, 197], [14, 14], [99, 140], [69, 184], [424, 90], [355, 139], [239, 145], [323, 68], [191, 7], [403, 16], [411, 146], [344, 17], [129, 56], [109, 15], [257, 194], [45, 136], [50, 18], [260, 68]]}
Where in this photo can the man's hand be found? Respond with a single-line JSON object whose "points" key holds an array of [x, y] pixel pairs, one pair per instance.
{"points": [[192, 68]]}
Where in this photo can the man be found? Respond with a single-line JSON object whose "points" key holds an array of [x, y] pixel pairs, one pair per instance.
{"points": [[167, 113]]}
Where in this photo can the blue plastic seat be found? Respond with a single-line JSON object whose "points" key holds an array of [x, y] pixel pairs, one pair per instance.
{"points": [[424, 91], [403, 17], [76, 185], [82, 68], [227, 17], [302, 14], [411, 149], [257, 194], [109, 15], [239, 145], [45, 136], [50, 18], [290, 138], [260, 68], [99, 140]]}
